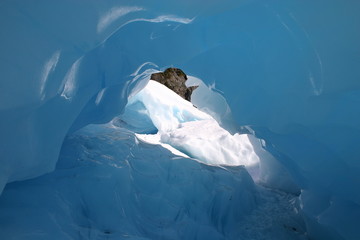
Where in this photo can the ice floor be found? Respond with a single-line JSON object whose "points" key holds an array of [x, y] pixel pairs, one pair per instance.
{"points": [[190, 179], [110, 185]]}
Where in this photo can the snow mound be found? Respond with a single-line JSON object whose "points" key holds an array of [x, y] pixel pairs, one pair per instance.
{"points": [[187, 129], [165, 108], [207, 141]]}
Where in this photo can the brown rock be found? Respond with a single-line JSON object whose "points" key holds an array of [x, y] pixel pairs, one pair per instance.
{"points": [[174, 79]]}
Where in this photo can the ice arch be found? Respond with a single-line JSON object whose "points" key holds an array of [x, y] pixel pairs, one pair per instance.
{"points": [[288, 69]]}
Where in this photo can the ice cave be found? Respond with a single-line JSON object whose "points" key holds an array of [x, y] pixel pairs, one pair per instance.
{"points": [[268, 148]]}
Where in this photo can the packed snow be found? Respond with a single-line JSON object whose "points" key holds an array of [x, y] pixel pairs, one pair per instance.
{"points": [[189, 130]]}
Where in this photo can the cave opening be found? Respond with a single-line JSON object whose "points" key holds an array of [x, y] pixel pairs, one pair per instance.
{"points": [[288, 69]]}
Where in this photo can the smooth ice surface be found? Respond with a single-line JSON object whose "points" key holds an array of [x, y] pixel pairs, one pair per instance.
{"points": [[165, 108], [210, 100], [288, 70]]}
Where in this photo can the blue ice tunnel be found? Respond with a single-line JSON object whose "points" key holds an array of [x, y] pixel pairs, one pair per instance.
{"points": [[288, 69]]}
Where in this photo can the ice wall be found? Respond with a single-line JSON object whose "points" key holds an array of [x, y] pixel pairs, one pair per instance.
{"points": [[288, 69]]}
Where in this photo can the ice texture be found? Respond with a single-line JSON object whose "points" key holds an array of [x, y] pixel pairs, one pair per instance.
{"points": [[207, 141], [182, 126], [288, 70], [165, 108], [110, 185]]}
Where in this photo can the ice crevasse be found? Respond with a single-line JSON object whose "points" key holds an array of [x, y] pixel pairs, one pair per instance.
{"points": [[287, 69]]}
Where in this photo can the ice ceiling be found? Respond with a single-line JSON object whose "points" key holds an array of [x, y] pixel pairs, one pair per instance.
{"points": [[289, 70]]}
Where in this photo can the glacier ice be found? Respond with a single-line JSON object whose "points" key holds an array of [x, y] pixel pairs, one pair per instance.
{"points": [[165, 108], [182, 126], [288, 70], [126, 189], [110, 185], [207, 141]]}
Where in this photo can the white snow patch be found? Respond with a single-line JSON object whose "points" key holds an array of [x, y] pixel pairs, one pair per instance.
{"points": [[207, 141], [167, 109], [155, 140], [187, 131]]}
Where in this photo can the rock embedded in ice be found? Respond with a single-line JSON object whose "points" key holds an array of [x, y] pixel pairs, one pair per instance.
{"points": [[175, 78], [185, 128], [165, 108]]}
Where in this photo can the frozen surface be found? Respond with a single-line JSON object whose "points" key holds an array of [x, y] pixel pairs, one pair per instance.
{"points": [[210, 100], [207, 141], [109, 185], [288, 70], [165, 108], [187, 129]]}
